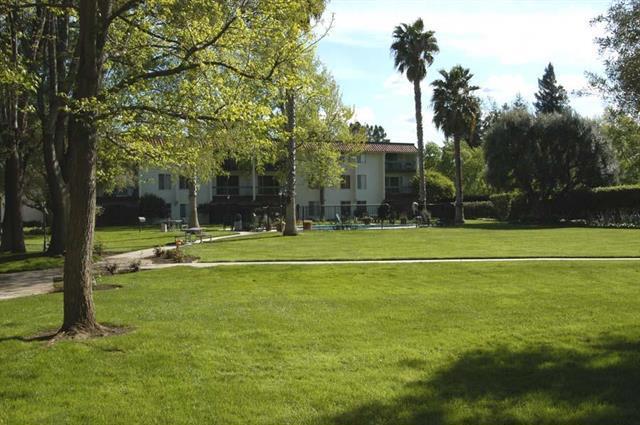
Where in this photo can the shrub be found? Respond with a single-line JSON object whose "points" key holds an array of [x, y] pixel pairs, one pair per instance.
{"points": [[444, 212], [439, 187], [152, 206], [111, 268], [502, 203], [479, 209], [134, 266], [158, 251]]}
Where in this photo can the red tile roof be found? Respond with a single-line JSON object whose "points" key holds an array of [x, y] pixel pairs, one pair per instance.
{"points": [[391, 147]]}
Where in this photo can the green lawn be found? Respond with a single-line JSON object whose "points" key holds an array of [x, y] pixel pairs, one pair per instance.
{"points": [[489, 344], [476, 239], [112, 240], [123, 239]]}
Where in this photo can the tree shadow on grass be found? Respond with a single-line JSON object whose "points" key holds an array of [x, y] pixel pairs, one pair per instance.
{"points": [[599, 384]]}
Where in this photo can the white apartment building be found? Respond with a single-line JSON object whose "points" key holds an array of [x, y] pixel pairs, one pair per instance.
{"points": [[383, 171]]}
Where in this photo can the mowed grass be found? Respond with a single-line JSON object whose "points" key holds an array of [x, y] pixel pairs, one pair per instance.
{"points": [[124, 239], [476, 239], [111, 240], [494, 343]]}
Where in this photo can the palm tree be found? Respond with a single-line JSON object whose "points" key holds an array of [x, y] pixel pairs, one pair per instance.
{"points": [[455, 112], [413, 49]]}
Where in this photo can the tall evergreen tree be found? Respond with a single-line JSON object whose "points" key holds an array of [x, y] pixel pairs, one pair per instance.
{"points": [[376, 134], [456, 111], [413, 49], [551, 96]]}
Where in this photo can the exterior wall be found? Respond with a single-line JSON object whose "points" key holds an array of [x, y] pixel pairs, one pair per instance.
{"points": [[174, 196], [372, 166]]}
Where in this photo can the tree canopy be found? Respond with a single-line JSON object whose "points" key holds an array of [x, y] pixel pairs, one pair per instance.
{"points": [[620, 50], [546, 155]]}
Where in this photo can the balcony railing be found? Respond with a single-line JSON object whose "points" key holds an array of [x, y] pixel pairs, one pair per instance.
{"points": [[403, 190], [400, 166], [246, 190]]}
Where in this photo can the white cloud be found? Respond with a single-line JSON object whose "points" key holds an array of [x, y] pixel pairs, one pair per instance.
{"points": [[516, 36], [504, 88], [364, 115], [398, 85]]}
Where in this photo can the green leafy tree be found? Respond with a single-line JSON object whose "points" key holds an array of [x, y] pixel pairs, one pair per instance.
{"points": [[143, 76], [472, 159], [546, 155], [413, 49], [316, 132], [623, 132], [456, 112], [432, 156], [20, 48], [620, 50], [551, 97]]}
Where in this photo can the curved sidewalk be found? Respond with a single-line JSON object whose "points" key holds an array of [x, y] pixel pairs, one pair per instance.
{"points": [[22, 284], [398, 261]]}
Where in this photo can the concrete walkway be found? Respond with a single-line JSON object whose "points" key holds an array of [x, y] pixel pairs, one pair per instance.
{"points": [[22, 284], [14, 285], [415, 261], [144, 255]]}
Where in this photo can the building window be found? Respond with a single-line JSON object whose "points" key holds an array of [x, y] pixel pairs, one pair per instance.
{"points": [[314, 209], [268, 185], [183, 211], [227, 185], [393, 184], [361, 209], [362, 181], [182, 183], [345, 183], [164, 181], [362, 158], [345, 208]]}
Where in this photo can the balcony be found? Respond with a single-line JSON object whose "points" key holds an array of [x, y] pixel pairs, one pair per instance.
{"points": [[246, 190], [400, 166], [398, 190]]}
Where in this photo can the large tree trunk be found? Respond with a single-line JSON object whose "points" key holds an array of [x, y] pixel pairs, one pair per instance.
{"points": [[58, 198], [12, 233], [459, 218], [54, 131], [193, 202], [79, 312], [422, 190], [290, 228]]}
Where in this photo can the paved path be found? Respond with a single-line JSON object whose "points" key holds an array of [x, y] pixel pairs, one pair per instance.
{"points": [[22, 284], [14, 285], [126, 258], [415, 261]]}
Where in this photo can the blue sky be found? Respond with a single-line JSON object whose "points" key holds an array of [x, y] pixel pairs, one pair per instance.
{"points": [[506, 44]]}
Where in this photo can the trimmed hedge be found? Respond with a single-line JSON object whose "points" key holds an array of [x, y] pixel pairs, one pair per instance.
{"points": [[479, 209], [444, 211], [502, 204], [614, 205]]}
